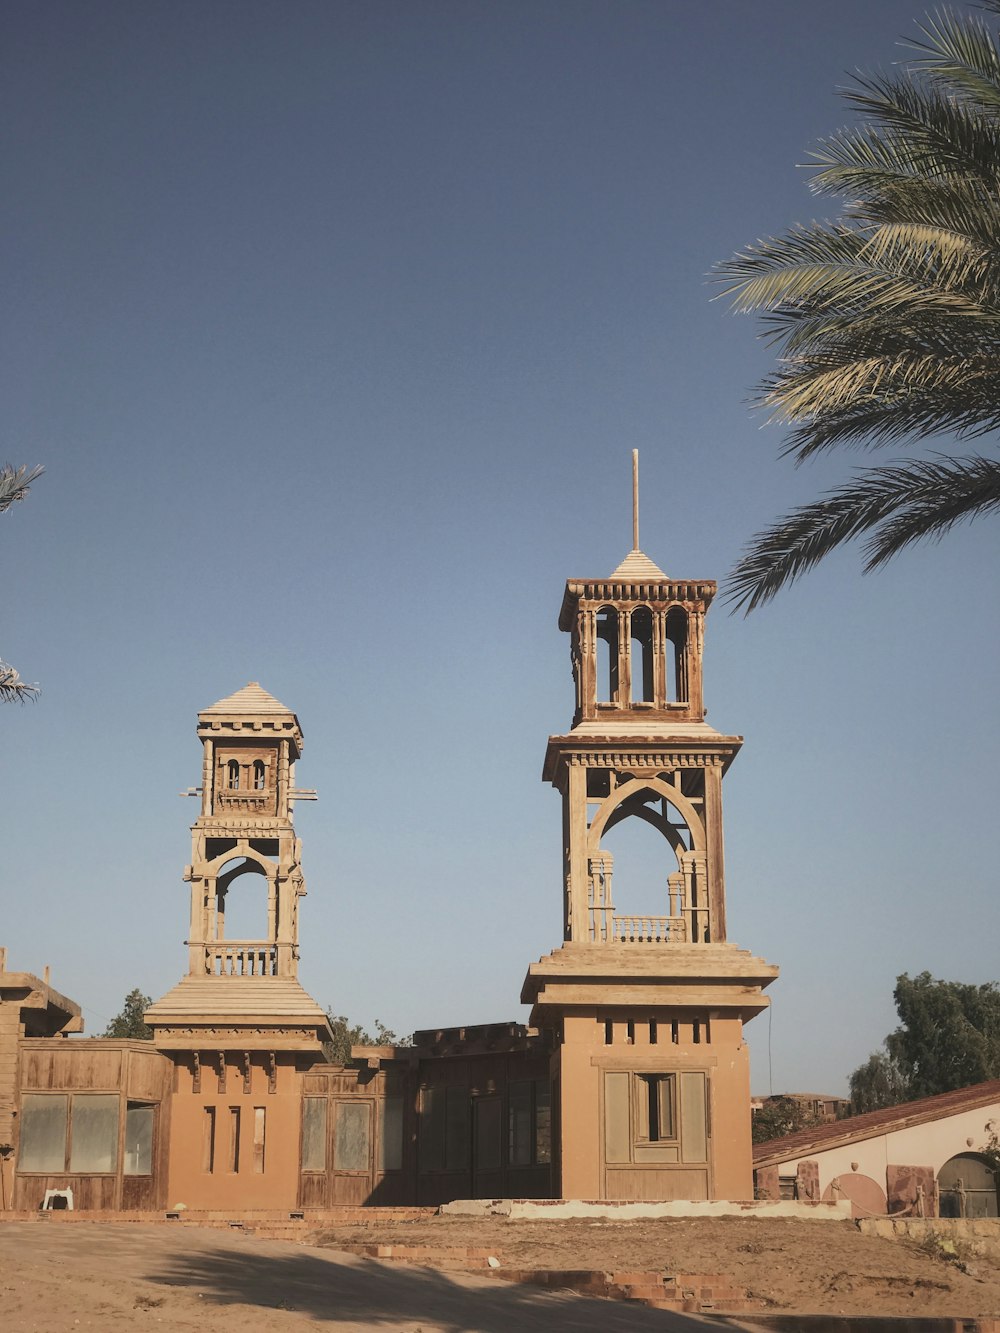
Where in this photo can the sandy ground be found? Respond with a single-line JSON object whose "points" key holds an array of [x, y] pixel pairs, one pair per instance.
{"points": [[784, 1265], [116, 1276]]}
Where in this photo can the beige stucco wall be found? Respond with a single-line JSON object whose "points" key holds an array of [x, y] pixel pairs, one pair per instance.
{"points": [[277, 1185], [583, 1058], [930, 1144]]}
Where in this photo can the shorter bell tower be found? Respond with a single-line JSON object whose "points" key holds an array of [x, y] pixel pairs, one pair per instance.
{"points": [[250, 745], [650, 1068], [239, 1027]]}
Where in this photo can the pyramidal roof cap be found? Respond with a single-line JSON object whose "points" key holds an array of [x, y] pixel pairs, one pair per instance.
{"points": [[638, 568], [251, 699]]}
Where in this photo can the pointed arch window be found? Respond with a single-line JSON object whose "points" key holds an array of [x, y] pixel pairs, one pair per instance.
{"points": [[258, 775], [607, 655], [641, 647], [233, 775], [676, 655]]}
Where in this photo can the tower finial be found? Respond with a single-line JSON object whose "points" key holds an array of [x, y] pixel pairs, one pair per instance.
{"points": [[635, 499]]}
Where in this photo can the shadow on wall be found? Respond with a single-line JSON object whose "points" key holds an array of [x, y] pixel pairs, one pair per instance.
{"points": [[349, 1292]]}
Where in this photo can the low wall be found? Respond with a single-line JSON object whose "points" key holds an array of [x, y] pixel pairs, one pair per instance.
{"points": [[555, 1210], [980, 1234]]}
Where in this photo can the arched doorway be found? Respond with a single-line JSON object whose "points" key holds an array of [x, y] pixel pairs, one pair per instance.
{"points": [[968, 1187]]}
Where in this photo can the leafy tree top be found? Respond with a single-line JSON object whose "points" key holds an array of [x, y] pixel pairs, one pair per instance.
{"points": [[130, 1022]]}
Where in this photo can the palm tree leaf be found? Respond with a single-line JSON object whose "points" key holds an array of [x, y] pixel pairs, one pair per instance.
{"points": [[14, 483], [935, 493], [12, 688]]}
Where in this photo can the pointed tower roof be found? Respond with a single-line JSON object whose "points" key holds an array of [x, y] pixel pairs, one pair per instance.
{"points": [[638, 568], [252, 700]]}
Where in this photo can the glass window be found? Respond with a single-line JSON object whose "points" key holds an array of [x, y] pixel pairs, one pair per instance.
{"points": [[314, 1134], [351, 1140], [258, 775], [431, 1129], [43, 1132], [139, 1139], [391, 1141], [519, 1124], [456, 1134], [488, 1128], [234, 775], [94, 1131]]}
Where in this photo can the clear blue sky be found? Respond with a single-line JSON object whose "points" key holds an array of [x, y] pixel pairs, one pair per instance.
{"points": [[334, 325]]}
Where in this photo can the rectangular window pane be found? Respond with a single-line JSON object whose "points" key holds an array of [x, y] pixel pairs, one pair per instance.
{"points": [[94, 1144], [543, 1123], [43, 1132], [351, 1141], [391, 1141], [665, 1107], [456, 1133], [430, 1129], [488, 1125], [139, 1139], [519, 1124], [314, 1134], [258, 1139]]}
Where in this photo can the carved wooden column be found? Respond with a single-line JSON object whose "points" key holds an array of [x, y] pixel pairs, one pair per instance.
{"points": [[714, 858], [207, 775], [624, 660], [660, 648], [576, 798]]}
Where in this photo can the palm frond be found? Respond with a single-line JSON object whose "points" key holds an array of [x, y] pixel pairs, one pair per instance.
{"points": [[917, 500], [14, 483], [12, 688], [962, 56]]}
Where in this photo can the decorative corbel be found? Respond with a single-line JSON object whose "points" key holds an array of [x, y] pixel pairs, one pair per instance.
{"points": [[272, 1072], [196, 1071], [246, 1072], [221, 1055]]}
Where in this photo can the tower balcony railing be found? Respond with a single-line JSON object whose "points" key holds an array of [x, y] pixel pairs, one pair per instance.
{"points": [[647, 929], [241, 958], [246, 799]]}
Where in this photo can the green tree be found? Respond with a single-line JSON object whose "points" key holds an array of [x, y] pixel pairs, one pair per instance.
{"points": [[887, 320], [780, 1116], [14, 483], [347, 1034], [130, 1022], [948, 1037], [877, 1083]]}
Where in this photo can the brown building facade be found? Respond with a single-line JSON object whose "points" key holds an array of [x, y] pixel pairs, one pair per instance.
{"points": [[631, 1081]]}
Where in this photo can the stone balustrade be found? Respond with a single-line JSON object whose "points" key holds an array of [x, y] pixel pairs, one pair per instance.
{"points": [[241, 958]]}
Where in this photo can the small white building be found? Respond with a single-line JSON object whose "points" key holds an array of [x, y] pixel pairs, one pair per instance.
{"points": [[923, 1158]]}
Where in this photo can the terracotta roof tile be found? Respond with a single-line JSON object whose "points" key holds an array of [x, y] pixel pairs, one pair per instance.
{"points": [[873, 1123]]}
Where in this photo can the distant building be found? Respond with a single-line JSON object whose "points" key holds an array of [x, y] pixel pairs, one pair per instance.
{"points": [[921, 1158], [818, 1105]]}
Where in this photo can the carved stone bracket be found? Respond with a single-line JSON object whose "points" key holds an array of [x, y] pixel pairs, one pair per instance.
{"points": [[196, 1071], [272, 1072], [246, 1072], [221, 1059]]}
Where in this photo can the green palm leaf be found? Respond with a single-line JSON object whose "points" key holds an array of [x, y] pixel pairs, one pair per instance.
{"points": [[886, 321]]}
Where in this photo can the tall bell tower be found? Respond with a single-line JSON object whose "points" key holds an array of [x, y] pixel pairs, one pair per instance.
{"points": [[651, 1069]]}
